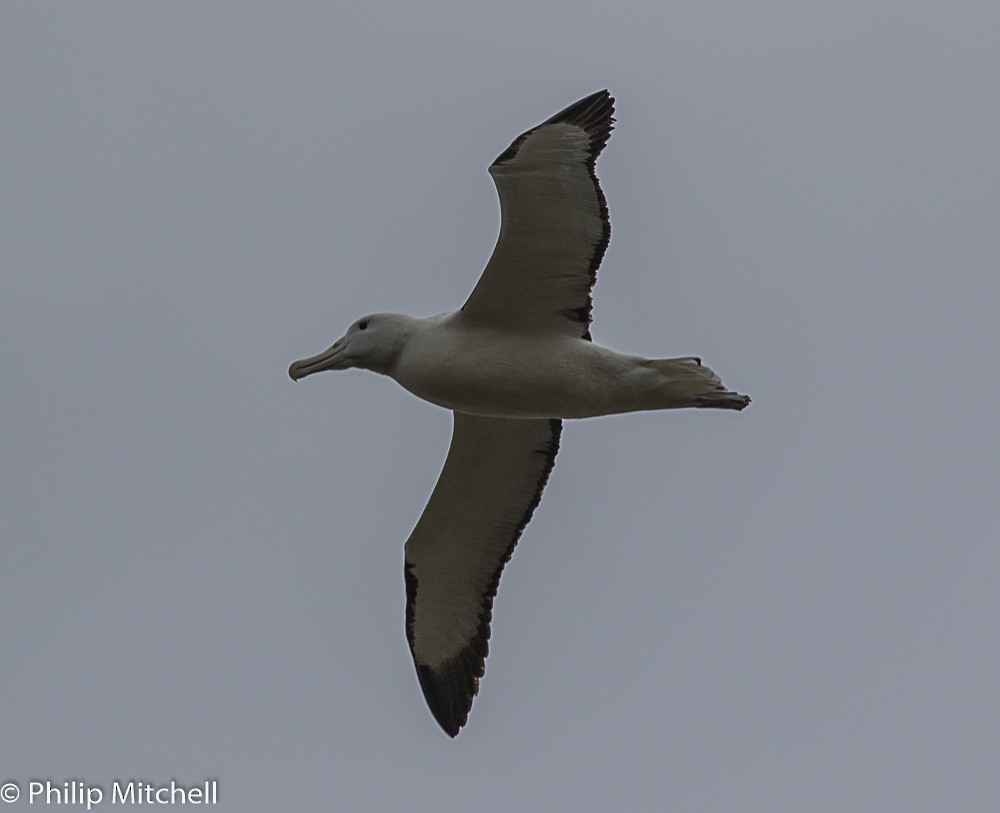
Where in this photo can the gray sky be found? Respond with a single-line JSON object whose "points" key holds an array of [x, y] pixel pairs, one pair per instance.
{"points": [[792, 608]]}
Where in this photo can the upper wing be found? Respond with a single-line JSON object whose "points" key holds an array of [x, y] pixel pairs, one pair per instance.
{"points": [[554, 225], [490, 485]]}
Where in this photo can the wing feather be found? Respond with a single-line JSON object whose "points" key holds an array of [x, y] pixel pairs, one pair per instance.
{"points": [[490, 486], [554, 226]]}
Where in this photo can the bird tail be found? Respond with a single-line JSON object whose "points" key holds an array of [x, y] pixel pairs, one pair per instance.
{"points": [[695, 385]]}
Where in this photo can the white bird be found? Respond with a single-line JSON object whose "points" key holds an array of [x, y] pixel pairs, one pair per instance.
{"points": [[514, 361]]}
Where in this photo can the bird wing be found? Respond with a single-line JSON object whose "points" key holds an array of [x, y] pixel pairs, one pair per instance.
{"points": [[554, 225], [491, 482]]}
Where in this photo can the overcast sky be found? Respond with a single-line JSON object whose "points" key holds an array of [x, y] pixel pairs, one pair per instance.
{"points": [[786, 609]]}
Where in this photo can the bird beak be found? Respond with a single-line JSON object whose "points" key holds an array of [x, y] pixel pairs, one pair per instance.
{"points": [[330, 359]]}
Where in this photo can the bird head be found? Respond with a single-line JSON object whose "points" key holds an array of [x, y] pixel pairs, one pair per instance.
{"points": [[371, 343]]}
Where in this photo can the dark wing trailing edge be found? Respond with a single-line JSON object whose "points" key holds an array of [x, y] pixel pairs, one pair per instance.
{"points": [[554, 225], [491, 484]]}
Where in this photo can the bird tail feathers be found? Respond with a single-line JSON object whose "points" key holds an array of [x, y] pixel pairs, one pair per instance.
{"points": [[696, 385]]}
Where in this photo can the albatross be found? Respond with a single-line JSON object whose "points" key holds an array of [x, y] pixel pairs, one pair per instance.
{"points": [[514, 361]]}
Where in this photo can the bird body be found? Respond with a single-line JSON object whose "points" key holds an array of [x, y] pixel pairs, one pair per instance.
{"points": [[487, 370]]}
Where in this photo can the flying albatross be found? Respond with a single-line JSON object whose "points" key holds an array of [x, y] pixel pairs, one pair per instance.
{"points": [[511, 363]]}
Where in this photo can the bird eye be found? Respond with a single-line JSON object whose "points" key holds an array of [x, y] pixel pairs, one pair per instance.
{"points": [[362, 325]]}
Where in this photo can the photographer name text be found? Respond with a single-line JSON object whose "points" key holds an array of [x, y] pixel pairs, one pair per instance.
{"points": [[132, 792]]}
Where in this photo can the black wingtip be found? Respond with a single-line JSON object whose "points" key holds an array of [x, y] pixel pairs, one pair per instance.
{"points": [[595, 114], [450, 688], [595, 107]]}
